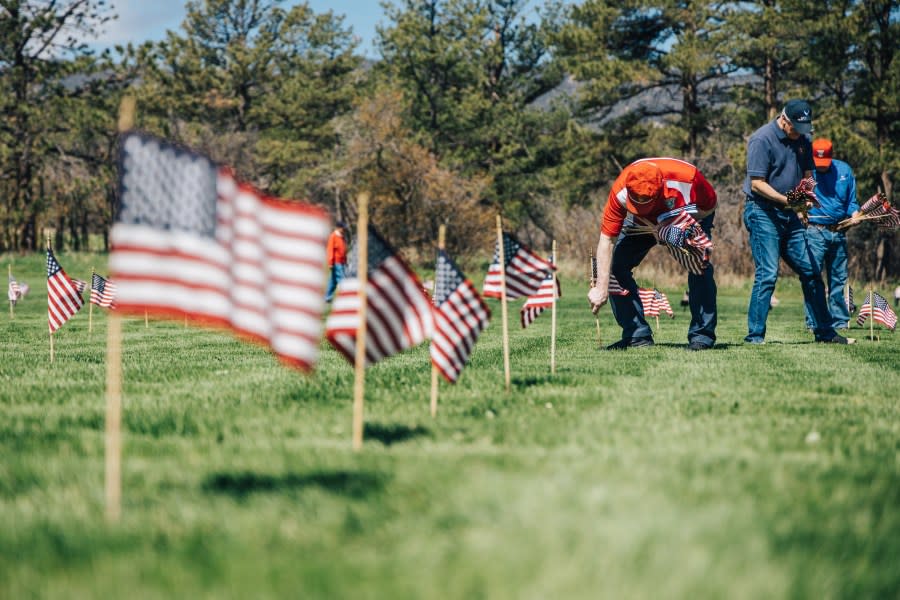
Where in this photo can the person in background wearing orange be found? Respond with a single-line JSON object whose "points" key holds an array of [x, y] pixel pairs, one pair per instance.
{"points": [[336, 251], [649, 190]]}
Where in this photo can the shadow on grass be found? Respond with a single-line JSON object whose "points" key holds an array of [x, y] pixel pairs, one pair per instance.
{"points": [[525, 382], [392, 434], [344, 483], [683, 345]]}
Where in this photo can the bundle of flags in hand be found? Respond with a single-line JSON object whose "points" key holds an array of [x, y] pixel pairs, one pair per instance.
{"points": [[685, 240], [525, 270], [878, 209], [876, 306], [541, 300], [800, 198]]}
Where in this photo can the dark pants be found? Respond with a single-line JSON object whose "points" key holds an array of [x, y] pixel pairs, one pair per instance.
{"points": [[778, 233], [628, 310]]}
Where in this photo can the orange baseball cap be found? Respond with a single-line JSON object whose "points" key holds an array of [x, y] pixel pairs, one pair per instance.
{"points": [[822, 149], [643, 179]]}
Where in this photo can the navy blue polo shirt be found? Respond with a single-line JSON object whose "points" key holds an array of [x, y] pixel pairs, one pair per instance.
{"points": [[781, 160]]}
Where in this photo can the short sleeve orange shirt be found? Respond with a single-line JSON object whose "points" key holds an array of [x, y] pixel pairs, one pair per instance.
{"points": [[683, 184]]}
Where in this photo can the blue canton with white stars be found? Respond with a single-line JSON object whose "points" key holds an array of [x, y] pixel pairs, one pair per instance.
{"points": [[447, 278], [166, 187]]}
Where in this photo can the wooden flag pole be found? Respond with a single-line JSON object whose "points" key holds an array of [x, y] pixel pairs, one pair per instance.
{"points": [[91, 305], [871, 312], [113, 434], [48, 300], [501, 259], [657, 323], [12, 305], [553, 316], [442, 233], [146, 320], [362, 273], [592, 279]]}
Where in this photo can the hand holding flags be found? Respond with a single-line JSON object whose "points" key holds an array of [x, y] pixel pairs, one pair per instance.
{"points": [[686, 241], [877, 208], [803, 197]]}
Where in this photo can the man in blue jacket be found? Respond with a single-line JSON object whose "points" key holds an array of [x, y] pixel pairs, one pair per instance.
{"points": [[836, 192]]}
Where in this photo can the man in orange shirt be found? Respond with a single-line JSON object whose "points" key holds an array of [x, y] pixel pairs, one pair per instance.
{"points": [[336, 251], [649, 191]]}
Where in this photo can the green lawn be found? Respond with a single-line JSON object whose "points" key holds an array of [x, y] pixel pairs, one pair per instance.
{"points": [[647, 473]]}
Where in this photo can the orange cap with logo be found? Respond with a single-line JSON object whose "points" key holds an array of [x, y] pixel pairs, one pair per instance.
{"points": [[643, 179], [822, 150]]}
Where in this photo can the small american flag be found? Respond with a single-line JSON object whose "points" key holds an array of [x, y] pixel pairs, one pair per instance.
{"points": [[615, 289], [13, 291], [880, 312], [103, 291], [80, 285], [399, 314], [189, 239], [662, 302], [63, 299], [544, 298], [686, 241], [649, 300], [460, 316], [525, 270]]}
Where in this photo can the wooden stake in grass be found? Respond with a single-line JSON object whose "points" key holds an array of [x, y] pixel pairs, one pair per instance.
{"points": [[871, 312], [553, 315], [51, 331], [91, 305], [442, 232], [362, 272], [593, 282], [503, 310], [12, 305], [113, 434]]}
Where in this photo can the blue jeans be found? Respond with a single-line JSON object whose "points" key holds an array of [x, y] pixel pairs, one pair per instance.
{"points": [[778, 233], [337, 273], [628, 310], [829, 249]]}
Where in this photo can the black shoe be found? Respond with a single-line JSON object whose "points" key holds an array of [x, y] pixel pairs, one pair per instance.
{"points": [[838, 339], [626, 343], [697, 345]]}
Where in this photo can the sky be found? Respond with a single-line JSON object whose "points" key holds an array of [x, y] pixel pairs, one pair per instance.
{"points": [[142, 20]]}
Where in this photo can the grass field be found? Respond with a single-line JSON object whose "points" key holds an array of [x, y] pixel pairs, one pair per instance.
{"points": [[743, 472]]}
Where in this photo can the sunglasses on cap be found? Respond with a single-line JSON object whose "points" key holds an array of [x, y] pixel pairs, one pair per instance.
{"points": [[639, 199]]}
